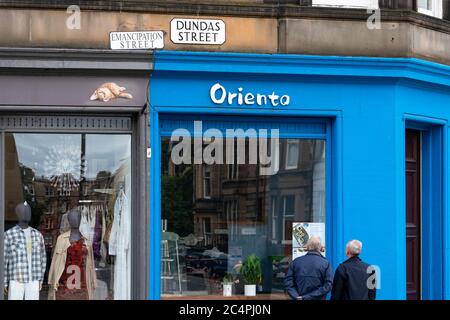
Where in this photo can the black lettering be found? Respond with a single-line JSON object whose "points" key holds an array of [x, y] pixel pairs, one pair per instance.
{"points": [[194, 25]]}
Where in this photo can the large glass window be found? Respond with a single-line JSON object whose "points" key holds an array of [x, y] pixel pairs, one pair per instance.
{"points": [[67, 216], [215, 215]]}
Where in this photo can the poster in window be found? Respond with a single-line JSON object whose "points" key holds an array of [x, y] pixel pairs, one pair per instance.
{"points": [[301, 232]]}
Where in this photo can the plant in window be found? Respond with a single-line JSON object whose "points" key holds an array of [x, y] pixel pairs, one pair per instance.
{"points": [[251, 271], [228, 279], [227, 282]]}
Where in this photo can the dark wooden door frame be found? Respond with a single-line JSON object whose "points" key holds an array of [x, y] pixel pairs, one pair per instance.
{"points": [[413, 214]]}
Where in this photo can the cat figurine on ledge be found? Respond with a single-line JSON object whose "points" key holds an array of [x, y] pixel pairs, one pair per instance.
{"points": [[108, 91]]}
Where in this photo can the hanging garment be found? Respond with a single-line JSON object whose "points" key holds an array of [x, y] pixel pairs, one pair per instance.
{"points": [[97, 237], [119, 246], [64, 225], [87, 224], [16, 265], [23, 291], [76, 258], [58, 266], [103, 247]]}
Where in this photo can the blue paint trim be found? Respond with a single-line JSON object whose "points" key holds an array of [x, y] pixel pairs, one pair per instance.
{"points": [[276, 64], [155, 205], [434, 202], [306, 128], [446, 217], [335, 191]]}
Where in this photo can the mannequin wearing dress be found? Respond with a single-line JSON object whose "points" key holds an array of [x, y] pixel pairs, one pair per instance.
{"points": [[71, 262]]}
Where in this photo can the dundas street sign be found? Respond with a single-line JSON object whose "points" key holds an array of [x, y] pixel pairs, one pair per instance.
{"points": [[138, 40], [197, 31]]}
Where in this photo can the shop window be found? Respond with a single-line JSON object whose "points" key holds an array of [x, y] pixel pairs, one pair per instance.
{"points": [[432, 8], [292, 154], [370, 4], [67, 182], [253, 214]]}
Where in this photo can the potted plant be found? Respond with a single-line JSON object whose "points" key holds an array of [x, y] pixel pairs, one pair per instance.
{"points": [[252, 273], [227, 283]]}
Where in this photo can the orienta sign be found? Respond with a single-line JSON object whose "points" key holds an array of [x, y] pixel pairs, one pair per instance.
{"points": [[197, 31], [220, 95]]}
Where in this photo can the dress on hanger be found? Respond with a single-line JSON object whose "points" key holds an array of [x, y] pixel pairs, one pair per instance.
{"points": [[119, 246]]}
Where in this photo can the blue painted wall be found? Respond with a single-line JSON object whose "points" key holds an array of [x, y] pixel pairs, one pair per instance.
{"points": [[367, 100]]}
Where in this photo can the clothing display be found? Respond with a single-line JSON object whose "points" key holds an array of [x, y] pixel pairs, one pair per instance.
{"points": [[28, 248], [93, 228], [67, 254], [24, 260], [97, 240], [64, 225], [20, 291], [119, 246], [76, 257]]}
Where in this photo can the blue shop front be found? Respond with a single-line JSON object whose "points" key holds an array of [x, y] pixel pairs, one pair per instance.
{"points": [[253, 154]]}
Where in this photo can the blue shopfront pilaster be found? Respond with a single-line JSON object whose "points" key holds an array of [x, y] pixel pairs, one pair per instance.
{"points": [[361, 107]]}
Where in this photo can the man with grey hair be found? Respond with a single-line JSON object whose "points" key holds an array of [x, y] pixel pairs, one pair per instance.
{"points": [[309, 277], [354, 279]]}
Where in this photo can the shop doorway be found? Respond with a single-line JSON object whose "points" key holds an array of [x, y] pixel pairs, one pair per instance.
{"points": [[413, 214]]}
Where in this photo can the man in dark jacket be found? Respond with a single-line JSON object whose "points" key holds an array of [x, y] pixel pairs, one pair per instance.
{"points": [[309, 277], [354, 279]]}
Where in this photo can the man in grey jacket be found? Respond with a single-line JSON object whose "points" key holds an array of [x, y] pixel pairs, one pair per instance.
{"points": [[309, 277]]}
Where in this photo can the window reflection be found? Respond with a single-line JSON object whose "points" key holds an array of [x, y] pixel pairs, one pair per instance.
{"points": [[216, 215], [59, 177]]}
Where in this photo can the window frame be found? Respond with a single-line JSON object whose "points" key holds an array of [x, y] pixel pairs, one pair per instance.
{"points": [[139, 209], [295, 125], [286, 163], [364, 4], [436, 9], [205, 184]]}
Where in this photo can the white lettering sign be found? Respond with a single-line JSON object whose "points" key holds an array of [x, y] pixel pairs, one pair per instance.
{"points": [[219, 95], [140, 40], [197, 31]]}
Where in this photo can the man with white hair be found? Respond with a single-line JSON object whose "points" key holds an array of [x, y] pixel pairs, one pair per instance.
{"points": [[354, 279], [309, 277]]}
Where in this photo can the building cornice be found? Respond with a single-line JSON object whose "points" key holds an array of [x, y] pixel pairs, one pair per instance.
{"points": [[293, 65], [75, 59], [279, 11]]}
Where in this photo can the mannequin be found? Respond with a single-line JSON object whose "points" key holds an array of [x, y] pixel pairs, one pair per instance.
{"points": [[72, 272], [23, 214], [74, 218], [24, 243]]}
